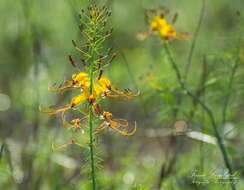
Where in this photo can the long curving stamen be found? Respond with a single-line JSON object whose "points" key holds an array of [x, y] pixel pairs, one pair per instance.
{"points": [[100, 128], [124, 133], [68, 85], [63, 146], [52, 111]]}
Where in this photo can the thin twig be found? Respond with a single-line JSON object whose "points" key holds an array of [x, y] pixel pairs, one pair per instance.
{"points": [[200, 90], [230, 84], [189, 60]]}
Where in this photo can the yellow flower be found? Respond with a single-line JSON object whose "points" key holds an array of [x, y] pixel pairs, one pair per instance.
{"points": [[78, 99], [97, 90], [167, 32], [102, 88], [81, 79], [91, 98], [164, 29], [105, 83], [158, 23]]}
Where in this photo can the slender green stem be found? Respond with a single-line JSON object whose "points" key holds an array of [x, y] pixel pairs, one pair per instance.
{"points": [[93, 173], [189, 62], [207, 110], [230, 84]]}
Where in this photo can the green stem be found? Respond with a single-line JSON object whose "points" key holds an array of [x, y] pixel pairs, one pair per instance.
{"points": [[93, 176], [192, 48], [230, 84], [207, 110]]}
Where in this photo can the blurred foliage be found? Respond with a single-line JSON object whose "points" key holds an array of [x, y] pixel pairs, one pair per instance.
{"points": [[35, 39]]}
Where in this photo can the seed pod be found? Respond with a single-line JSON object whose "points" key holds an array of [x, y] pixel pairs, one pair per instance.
{"points": [[162, 15], [81, 27], [97, 109], [83, 62], [100, 74], [112, 57], [74, 44], [175, 18], [72, 61]]}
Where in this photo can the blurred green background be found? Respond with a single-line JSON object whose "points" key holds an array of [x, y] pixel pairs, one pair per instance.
{"points": [[35, 38]]}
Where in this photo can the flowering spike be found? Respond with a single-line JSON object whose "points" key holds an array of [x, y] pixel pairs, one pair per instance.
{"points": [[90, 85]]}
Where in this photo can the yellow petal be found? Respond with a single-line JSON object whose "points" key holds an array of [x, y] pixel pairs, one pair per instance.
{"points": [[158, 23], [154, 26], [78, 99], [161, 22], [105, 83], [98, 90], [80, 78], [167, 32]]}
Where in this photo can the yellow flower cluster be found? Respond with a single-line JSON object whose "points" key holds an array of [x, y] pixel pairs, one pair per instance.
{"points": [[102, 88], [81, 80], [164, 29]]}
